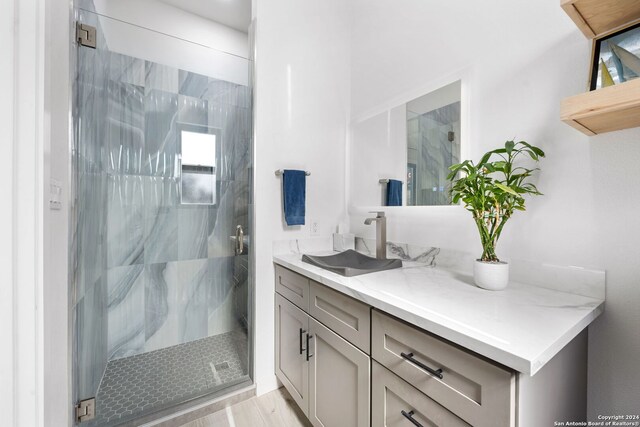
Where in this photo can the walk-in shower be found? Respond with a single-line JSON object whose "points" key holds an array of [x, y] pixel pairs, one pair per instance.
{"points": [[162, 193]]}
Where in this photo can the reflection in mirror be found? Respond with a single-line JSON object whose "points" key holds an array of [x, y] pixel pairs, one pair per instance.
{"points": [[433, 144]]}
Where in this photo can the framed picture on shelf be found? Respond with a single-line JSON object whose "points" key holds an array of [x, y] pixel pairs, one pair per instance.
{"points": [[616, 58]]}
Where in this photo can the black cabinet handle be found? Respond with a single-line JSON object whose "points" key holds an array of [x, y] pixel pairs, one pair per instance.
{"points": [[409, 357], [309, 337], [301, 332], [409, 416]]}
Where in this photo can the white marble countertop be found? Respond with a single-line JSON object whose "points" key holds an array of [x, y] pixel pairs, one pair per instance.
{"points": [[522, 327]]}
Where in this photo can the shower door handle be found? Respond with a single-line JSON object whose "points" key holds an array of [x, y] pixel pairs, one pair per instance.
{"points": [[239, 240]]}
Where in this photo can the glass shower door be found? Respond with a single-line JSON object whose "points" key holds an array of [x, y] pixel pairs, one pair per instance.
{"points": [[162, 188]]}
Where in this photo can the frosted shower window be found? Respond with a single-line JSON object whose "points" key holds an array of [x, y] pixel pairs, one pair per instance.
{"points": [[198, 168]]}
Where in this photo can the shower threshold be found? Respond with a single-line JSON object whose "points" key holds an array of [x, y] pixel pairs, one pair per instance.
{"points": [[135, 386]]}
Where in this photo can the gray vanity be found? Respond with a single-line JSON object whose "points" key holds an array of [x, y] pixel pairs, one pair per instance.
{"points": [[376, 350], [323, 350]]}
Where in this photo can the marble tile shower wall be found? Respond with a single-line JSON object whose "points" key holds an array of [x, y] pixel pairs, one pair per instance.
{"points": [[150, 271]]}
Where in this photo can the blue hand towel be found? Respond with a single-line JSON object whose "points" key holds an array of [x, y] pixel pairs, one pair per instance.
{"points": [[394, 193], [293, 195]]}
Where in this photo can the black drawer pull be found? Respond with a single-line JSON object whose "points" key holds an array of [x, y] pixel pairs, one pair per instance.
{"points": [[409, 416], [301, 332], [308, 355], [409, 357]]}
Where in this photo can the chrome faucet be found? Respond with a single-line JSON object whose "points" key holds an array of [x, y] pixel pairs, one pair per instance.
{"points": [[381, 233]]}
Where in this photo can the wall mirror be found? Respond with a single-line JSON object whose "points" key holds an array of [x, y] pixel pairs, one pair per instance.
{"points": [[401, 157]]}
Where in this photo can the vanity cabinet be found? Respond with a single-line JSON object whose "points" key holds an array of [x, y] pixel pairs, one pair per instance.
{"points": [[348, 364], [327, 376]]}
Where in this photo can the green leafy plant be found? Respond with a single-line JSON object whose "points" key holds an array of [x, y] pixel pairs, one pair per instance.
{"points": [[493, 189]]}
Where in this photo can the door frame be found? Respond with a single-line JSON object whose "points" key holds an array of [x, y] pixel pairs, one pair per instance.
{"points": [[35, 361]]}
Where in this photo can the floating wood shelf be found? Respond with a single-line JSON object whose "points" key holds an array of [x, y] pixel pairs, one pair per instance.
{"points": [[604, 110], [597, 17], [614, 107]]}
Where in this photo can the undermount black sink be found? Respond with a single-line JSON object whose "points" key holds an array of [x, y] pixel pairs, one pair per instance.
{"points": [[351, 263]]}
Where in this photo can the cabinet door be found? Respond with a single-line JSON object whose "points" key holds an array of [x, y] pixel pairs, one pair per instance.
{"points": [[292, 325], [339, 380]]}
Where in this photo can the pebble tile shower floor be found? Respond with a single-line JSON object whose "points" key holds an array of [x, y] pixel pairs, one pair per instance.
{"points": [[137, 385]]}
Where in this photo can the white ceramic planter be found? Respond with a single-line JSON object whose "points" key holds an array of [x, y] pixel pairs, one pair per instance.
{"points": [[493, 276]]}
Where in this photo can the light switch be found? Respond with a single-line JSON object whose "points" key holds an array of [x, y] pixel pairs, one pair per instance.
{"points": [[55, 195]]}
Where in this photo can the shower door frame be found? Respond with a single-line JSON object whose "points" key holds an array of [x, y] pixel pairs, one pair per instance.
{"points": [[72, 324]]}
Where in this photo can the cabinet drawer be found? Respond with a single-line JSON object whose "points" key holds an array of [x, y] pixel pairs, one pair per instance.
{"points": [[476, 390], [393, 400], [293, 287], [348, 317]]}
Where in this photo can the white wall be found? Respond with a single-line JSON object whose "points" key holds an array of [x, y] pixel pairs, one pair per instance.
{"points": [[7, 221], [521, 58], [614, 340], [22, 42], [161, 17], [301, 118]]}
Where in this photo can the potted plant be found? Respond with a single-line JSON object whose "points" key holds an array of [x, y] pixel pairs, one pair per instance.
{"points": [[492, 190]]}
